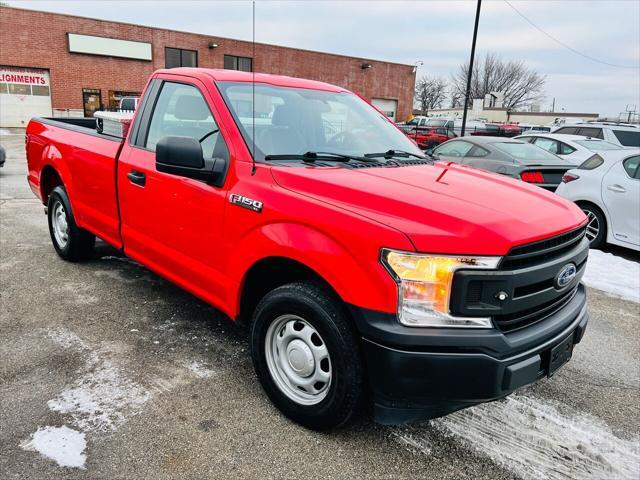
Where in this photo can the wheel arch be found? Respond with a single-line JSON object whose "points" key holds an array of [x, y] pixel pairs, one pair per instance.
{"points": [[604, 213], [49, 179], [53, 173], [283, 252], [269, 273]]}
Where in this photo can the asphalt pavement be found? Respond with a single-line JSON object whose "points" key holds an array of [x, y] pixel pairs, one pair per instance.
{"points": [[156, 384]]}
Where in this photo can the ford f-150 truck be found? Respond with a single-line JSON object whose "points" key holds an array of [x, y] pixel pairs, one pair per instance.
{"points": [[365, 271]]}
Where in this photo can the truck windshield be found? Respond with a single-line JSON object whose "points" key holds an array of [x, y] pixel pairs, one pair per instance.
{"points": [[291, 121]]}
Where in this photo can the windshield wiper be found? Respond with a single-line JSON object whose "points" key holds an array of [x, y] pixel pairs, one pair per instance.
{"points": [[395, 153], [311, 157]]}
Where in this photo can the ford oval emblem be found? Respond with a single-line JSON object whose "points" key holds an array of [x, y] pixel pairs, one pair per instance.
{"points": [[565, 275]]}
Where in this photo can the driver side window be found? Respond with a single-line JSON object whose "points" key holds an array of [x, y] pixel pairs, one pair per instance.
{"points": [[182, 111]]}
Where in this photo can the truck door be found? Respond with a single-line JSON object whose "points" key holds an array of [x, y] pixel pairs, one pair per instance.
{"points": [[170, 223], [620, 193]]}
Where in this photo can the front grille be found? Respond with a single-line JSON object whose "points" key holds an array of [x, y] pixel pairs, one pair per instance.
{"points": [[526, 318], [534, 253], [523, 291], [474, 292]]}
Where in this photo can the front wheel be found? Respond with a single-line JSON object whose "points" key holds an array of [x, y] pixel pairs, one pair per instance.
{"points": [[307, 356], [596, 226], [70, 241]]}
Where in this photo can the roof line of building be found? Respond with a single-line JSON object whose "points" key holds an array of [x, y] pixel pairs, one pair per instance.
{"points": [[518, 112], [204, 35]]}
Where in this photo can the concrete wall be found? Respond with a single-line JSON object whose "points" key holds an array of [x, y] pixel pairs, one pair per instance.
{"points": [[502, 115]]}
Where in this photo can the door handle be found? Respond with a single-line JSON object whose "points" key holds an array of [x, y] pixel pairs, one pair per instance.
{"points": [[616, 188], [137, 177]]}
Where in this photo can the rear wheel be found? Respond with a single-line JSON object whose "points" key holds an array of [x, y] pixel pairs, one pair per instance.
{"points": [[596, 225], [70, 241], [307, 356]]}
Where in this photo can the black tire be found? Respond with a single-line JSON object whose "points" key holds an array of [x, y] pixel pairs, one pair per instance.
{"points": [[595, 216], [320, 308], [79, 242]]}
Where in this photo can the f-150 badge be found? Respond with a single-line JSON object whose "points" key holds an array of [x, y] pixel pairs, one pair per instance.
{"points": [[245, 202]]}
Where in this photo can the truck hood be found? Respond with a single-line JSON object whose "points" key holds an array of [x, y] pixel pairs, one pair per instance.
{"points": [[441, 208]]}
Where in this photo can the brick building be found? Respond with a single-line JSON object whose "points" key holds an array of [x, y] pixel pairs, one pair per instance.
{"points": [[53, 64]]}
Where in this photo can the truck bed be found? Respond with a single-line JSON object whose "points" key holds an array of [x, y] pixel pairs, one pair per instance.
{"points": [[87, 162]]}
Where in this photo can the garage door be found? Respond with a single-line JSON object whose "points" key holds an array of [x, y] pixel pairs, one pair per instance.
{"points": [[388, 107], [24, 93]]}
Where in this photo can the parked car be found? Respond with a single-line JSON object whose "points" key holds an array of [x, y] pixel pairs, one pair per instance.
{"points": [[506, 156], [128, 104], [624, 135], [607, 189], [529, 128], [3, 156], [573, 148], [454, 126], [359, 264], [429, 137], [498, 130], [418, 121]]}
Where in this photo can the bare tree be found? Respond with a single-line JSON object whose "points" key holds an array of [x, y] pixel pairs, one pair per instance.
{"points": [[520, 85], [430, 93]]}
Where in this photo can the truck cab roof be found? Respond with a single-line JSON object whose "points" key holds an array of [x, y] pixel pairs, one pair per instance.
{"points": [[221, 75]]}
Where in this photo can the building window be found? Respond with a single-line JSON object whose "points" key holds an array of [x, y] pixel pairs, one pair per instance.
{"points": [[177, 57], [40, 90], [91, 101], [244, 64]]}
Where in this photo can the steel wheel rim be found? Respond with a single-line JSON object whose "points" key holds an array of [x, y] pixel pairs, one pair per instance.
{"points": [[298, 360], [60, 224], [593, 225]]}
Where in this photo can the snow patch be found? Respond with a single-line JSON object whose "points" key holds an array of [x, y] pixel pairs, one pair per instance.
{"points": [[614, 275], [410, 441], [98, 400], [66, 338], [62, 444], [536, 441], [200, 370]]}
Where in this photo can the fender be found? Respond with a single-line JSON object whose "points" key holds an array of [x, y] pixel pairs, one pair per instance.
{"points": [[371, 288], [52, 158]]}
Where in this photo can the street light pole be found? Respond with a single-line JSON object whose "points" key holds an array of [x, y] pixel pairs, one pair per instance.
{"points": [[470, 72]]}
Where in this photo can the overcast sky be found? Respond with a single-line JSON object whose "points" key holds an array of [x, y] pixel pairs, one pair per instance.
{"points": [[435, 32]]}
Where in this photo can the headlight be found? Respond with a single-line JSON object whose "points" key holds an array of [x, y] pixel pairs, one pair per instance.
{"points": [[424, 287]]}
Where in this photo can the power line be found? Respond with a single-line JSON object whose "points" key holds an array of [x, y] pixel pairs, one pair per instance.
{"points": [[568, 47]]}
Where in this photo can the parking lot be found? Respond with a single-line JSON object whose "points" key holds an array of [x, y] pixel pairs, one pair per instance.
{"points": [[142, 380]]}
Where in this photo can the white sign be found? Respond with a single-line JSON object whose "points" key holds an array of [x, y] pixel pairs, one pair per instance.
{"points": [[111, 47], [25, 76]]}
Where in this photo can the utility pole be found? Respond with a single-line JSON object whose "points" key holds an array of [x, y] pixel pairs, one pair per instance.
{"points": [[553, 105], [470, 72]]}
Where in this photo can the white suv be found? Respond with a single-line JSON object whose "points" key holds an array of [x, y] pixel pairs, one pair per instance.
{"points": [[623, 135]]}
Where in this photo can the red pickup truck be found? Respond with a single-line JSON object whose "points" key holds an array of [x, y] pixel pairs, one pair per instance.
{"points": [[365, 271], [429, 137]]}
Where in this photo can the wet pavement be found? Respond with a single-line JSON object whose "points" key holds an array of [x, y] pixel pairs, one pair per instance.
{"points": [[108, 372]]}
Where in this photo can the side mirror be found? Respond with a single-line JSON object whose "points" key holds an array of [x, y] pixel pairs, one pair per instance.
{"points": [[182, 156]]}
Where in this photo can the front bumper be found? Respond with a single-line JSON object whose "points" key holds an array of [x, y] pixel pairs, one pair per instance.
{"points": [[421, 373]]}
